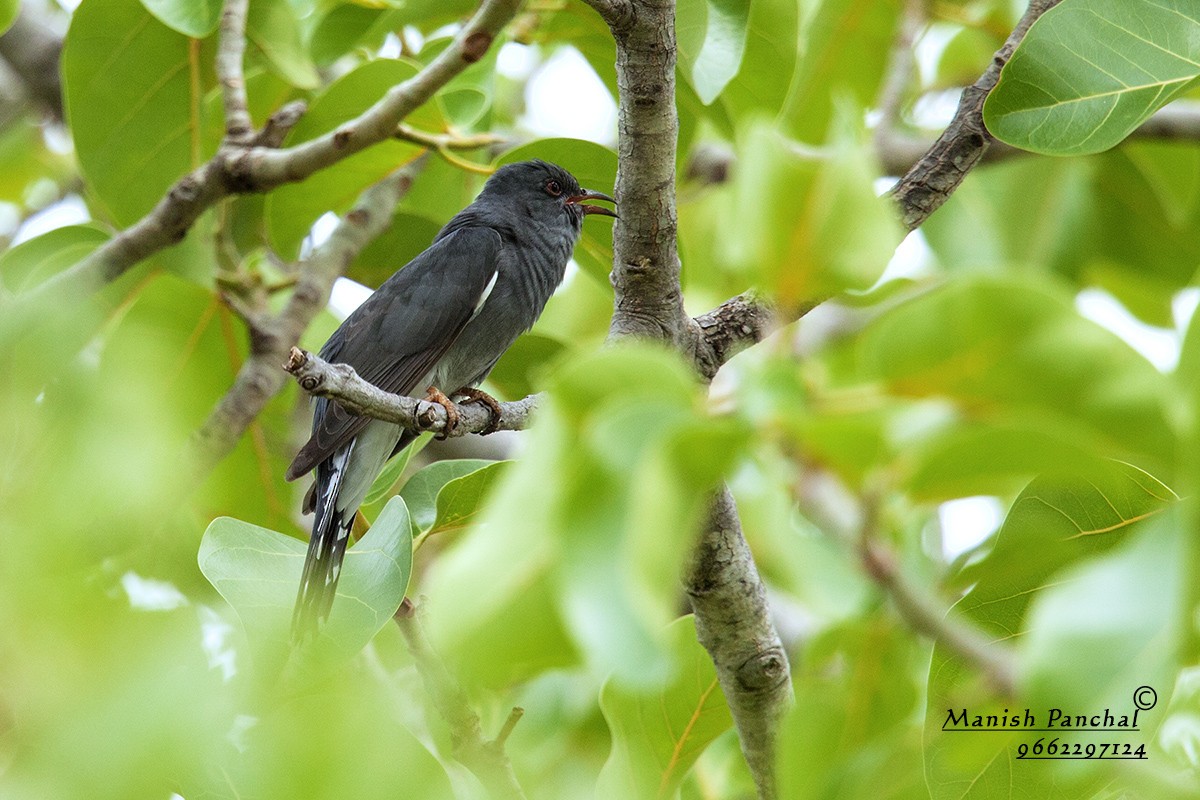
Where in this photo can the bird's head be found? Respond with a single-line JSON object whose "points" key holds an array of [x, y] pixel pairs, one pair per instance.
{"points": [[544, 191]]}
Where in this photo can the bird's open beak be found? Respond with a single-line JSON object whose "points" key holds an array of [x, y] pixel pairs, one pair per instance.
{"points": [[590, 209]]}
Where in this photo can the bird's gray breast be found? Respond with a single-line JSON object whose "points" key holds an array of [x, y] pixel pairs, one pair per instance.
{"points": [[528, 273]]}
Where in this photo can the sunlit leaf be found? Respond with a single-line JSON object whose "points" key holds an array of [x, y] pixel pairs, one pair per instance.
{"points": [[1090, 71], [657, 736]]}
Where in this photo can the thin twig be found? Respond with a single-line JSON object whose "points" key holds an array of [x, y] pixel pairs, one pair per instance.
{"points": [[899, 72], [934, 178], [487, 760], [340, 382], [448, 141], [231, 50], [733, 623], [856, 522]]}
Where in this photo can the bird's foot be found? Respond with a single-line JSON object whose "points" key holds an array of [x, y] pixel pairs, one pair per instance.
{"points": [[474, 395], [434, 395]]}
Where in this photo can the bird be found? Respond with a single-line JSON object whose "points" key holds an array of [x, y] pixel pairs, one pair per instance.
{"points": [[439, 323]]}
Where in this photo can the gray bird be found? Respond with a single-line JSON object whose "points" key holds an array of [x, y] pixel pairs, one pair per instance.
{"points": [[442, 322]]}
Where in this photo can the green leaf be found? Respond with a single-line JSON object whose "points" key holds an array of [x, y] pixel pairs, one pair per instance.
{"points": [[32, 262], [1064, 521], [420, 493], [407, 237], [1019, 354], [809, 223], [8, 13], [130, 92], [657, 736], [843, 58], [392, 471], [274, 32], [1090, 71], [1109, 626], [292, 209], [194, 18], [772, 37], [518, 372], [859, 678], [712, 38], [460, 500], [258, 570], [595, 167]]}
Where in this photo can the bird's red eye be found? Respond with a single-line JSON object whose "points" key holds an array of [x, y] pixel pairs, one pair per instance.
{"points": [[553, 189]]}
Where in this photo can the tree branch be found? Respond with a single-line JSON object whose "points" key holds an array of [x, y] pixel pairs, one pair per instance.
{"points": [[486, 760], [271, 338], [856, 522], [732, 616], [253, 168], [341, 383], [737, 324], [231, 50], [734, 624], [33, 50], [934, 178], [648, 301]]}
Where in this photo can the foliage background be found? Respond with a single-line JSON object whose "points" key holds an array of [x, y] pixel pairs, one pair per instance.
{"points": [[967, 371]]}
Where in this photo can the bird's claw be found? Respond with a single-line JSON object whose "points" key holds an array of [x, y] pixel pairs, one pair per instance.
{"points": [[434, 395], [474, 395]]}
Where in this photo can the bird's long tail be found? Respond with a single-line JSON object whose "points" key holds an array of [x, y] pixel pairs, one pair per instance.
{"points": [[326, 548]]}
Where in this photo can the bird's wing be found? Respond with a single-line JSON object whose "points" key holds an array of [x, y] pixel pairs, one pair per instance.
{"points": [[397, 336]]}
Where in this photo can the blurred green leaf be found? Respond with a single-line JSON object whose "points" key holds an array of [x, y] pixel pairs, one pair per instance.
{"points": [[808, 222], [1111, 625], [340, 29], [8, 13], [406, 238], [621, 444], [856, 687], [274, 32], [712, 37], [1064, 521], [421, 491], [33, 261], [292, 209], [1090, 71], [595, 167], [194, 18], [657, 737], [761, 85], [382, 487], [517, 372], [845, 53], [257, 571], [1016, 350], [129, 85]]}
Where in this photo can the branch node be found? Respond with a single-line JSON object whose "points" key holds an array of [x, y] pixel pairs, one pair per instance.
{"points": [[476, 46], [763, 671]]}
